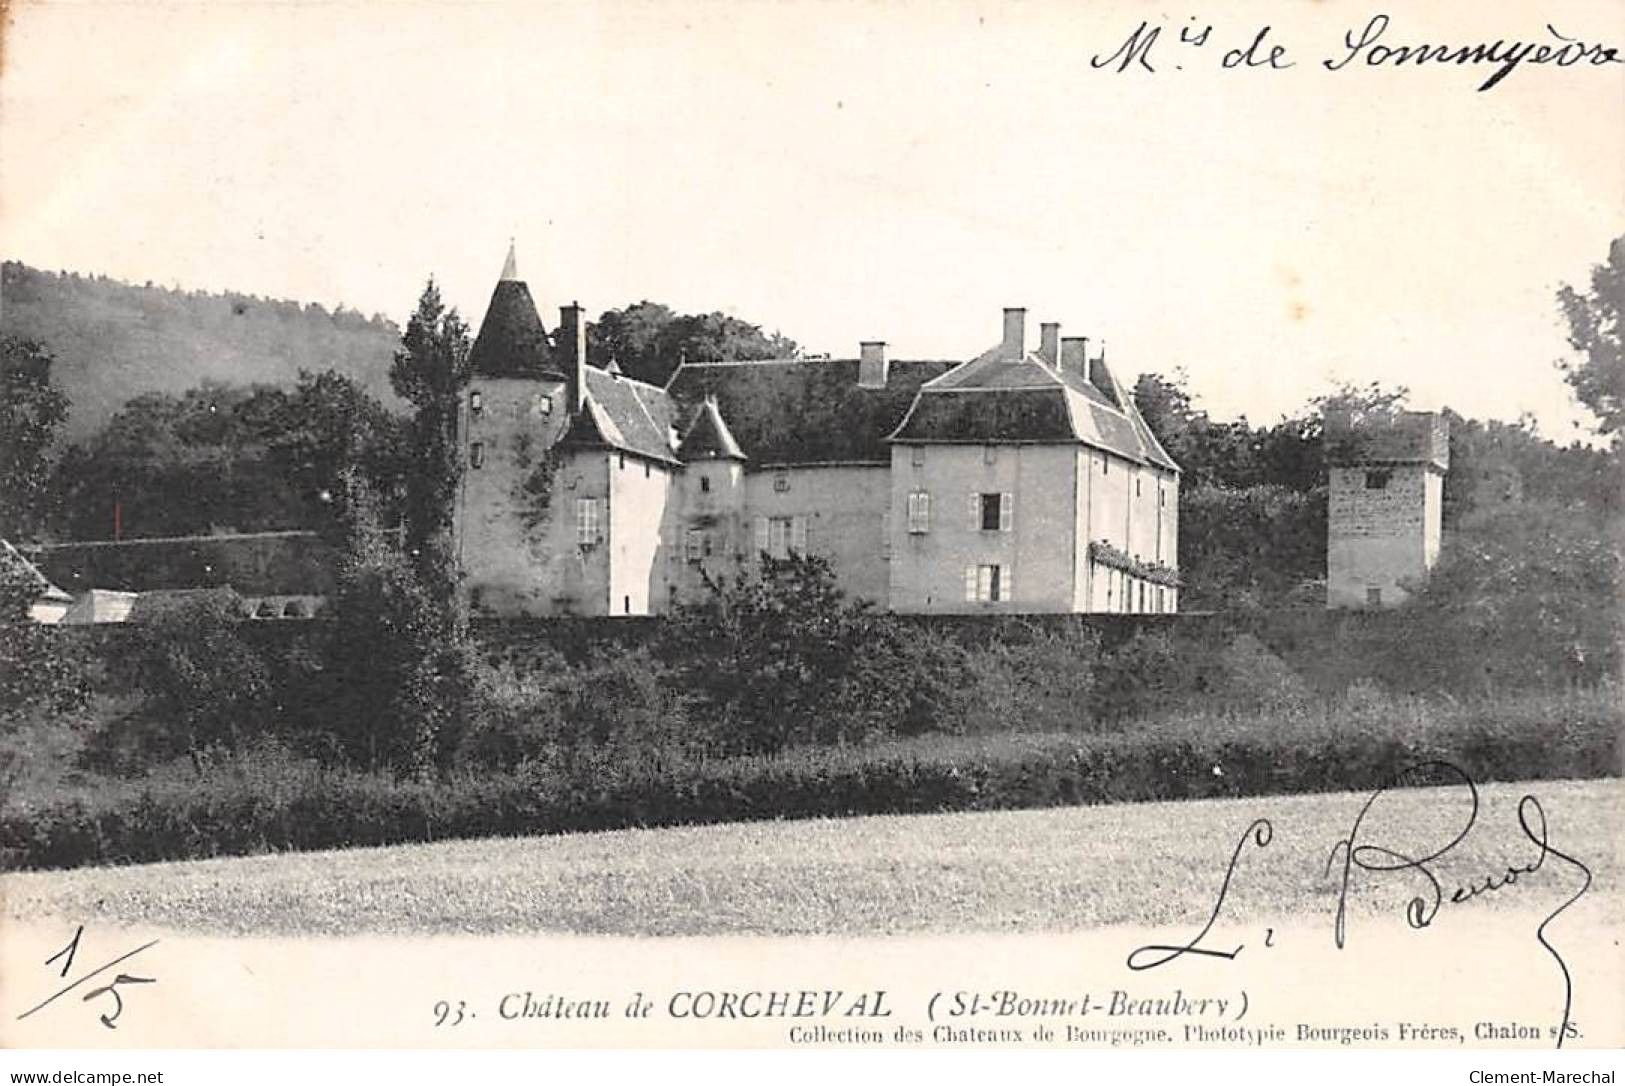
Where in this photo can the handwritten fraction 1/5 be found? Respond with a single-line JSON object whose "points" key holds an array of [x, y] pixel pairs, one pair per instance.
{"points": [[110, 1011]]}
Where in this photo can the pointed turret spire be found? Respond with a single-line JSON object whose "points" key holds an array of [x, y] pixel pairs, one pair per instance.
{"points": [[512, 341]]}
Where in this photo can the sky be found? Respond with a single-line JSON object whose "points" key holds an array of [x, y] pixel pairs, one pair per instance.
{"points": [[854, 169]]}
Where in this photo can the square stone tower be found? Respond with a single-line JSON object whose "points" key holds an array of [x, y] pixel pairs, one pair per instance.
{"points": [[1385, 491]]}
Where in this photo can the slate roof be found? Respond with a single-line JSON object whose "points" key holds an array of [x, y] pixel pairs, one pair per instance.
{"points": [[512, 341], [627, 415], [257, 564], [805, 410], [708, 436], [1002, 398], [12, 558], [1410, 437]]}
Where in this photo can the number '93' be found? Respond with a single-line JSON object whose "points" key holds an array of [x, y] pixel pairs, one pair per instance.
{"points": [[449, 1014]]}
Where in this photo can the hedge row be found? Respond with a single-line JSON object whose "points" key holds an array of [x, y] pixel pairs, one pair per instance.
{"points": [[280, 805]]}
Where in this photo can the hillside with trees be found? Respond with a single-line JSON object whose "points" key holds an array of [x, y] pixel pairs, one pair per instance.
{"points": [[112, 340]]}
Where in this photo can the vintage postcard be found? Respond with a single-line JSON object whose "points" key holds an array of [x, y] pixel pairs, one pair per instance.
{"points": [[842, 526]]}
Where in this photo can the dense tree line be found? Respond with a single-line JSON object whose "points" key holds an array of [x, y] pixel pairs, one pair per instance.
{"points": [[111, 339]]}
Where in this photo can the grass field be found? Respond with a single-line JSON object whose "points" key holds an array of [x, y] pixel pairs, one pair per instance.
{"points": [[1020, 871]]}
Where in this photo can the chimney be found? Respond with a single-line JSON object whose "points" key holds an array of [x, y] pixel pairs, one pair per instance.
{"points": [[872, 364], [572, 351], [1049, 342], [1015, 333], [1075, 355], [1097, 371]]}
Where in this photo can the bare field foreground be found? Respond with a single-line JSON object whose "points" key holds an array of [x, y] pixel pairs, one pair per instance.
{"points": [[1018, 871]]}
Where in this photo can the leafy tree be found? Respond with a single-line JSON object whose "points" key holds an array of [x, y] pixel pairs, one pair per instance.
{"points": [[778, 657], [32, 410], [648, 340], [1595, 330], [327, 427], [40, 669], [400, 664], [430, 372], [206, 687], [1245, 548], [247, 458], [1522, 594]]}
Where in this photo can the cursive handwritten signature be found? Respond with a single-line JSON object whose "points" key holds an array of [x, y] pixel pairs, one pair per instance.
{"points": [[1359, 852]]}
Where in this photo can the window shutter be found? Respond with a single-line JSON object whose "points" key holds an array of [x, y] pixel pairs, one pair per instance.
{"points": [[798, 533], [761, 534], [970, 584], [975, 512], [1007, 584], [1007, 511]]}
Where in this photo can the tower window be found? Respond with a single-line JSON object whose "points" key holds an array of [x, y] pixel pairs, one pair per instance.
{"points": [[476, 455], [781, 481], [919, 456], [919, 512], [586, 521], [705, 484], [990, 454], [476, 402], [992, 512], [1377, 480]]}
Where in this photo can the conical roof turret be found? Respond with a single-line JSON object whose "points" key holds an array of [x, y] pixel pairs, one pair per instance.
{"points": [[512, 341]]}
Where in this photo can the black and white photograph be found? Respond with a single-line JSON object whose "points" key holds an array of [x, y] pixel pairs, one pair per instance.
{"points": [[823, 526]]}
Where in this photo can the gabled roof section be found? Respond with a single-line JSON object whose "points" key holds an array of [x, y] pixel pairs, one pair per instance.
{"points": [[708, 436], [806, 410], [100, 605], [512, 341], [999, 397], [11, 559], [626, 415]]}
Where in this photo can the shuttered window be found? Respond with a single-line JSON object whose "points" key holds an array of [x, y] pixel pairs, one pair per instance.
{"points": [[778, 536], [919, 512], [992, 512], [986, 584]]}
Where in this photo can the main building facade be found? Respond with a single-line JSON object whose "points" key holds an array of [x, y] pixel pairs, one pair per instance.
{"points": [[1016, 481]]}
